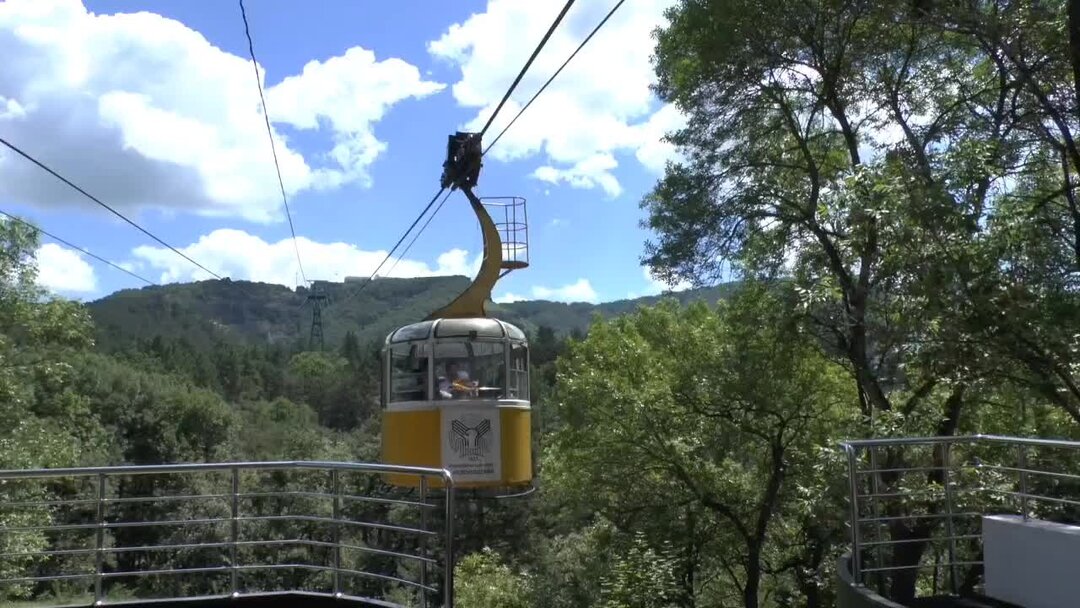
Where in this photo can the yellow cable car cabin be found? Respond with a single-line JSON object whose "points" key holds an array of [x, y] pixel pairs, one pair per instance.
{"points": [[455, 389], [457, 397]]}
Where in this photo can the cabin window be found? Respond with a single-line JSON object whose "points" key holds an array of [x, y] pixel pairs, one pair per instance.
{"points": [[414, 332], [408, 372], [470, 370], [519, 371]]}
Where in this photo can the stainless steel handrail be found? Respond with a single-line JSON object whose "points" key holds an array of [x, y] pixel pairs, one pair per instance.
{"points": [[949, 504], [52, 493]]}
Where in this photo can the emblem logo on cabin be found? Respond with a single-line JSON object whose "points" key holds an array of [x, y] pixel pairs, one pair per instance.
{"points": [[470, 442]]}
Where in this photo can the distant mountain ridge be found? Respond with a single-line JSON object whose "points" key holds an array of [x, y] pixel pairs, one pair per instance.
{"points": [[257, 313]]}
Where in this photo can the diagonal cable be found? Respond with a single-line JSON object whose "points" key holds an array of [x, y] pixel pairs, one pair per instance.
{"points": [[418, 233], [491, 119], [401, 240], [18, 151], [520, 112], [74, 246], [549, 80], [525, 68]]}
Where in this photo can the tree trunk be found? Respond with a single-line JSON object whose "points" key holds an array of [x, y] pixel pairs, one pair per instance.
{"points": [[691, 559], [909, 554], [753, 576]]}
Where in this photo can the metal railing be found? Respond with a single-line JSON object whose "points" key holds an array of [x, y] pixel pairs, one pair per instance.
{"points": [[916, 504], [229, 529], [513, 226]]}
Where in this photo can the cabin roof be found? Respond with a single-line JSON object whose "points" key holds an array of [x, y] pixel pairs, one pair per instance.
{"points": [[475, 327]]}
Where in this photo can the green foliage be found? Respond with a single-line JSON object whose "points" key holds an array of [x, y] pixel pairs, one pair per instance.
{"points": [[62, 405], [280, 430], [642, 577], [316, 378], [910, 169], [570, 568], [938, 259], [703, 426], [43, 422], [483, 581]]}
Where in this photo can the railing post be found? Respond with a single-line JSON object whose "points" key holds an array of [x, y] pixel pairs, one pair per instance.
{"points": [[1023, 482], [946, 449], [235, 532], [875, 510], [336, 493], [448, 584], [423, 541], [853, 497], [99, 554]]}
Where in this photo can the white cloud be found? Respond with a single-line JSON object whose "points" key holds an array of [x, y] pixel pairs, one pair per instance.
{"points": [[589, 173], [581, 291], [509, 298], [600, 105], [240, 255], [63, 270], [654, 152], [141, 110]]}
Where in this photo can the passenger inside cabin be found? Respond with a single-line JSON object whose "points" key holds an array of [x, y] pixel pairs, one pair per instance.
{"points": [[459, 381]]}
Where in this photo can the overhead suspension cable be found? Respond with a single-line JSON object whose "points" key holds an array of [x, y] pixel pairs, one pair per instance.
{"points": [[525, 68], [74, 246], [18, 151], [398, 244], [405, 251], [557, 72], [270, 134], [491, 119], [522, 110]]}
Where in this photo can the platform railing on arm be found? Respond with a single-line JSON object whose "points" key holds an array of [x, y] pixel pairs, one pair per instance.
{"points": [[227, 529], [916, 504]]}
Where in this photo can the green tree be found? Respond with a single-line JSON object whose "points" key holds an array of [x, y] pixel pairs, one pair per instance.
{"points": [[43, 422], [350, 348], [641, 577], [569, 568], [702, 428], [897, 165], [483, 581], [908, 169], [321, 380], [280, 430]]}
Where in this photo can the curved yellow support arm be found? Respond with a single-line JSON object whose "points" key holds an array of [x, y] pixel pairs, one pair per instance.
{"points": [[472, 301]]}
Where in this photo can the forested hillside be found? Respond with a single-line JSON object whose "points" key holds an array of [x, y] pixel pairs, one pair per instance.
{"points": [[207, 312], [894, 183]]}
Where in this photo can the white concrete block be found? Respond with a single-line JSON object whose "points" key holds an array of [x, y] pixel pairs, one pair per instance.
{"points": [[1033, 563]]}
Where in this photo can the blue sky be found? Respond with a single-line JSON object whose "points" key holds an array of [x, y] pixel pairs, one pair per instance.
{"points": [[153, 107]]}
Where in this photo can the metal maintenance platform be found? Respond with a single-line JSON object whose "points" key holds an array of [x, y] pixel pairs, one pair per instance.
{"points": [[979, 521]]}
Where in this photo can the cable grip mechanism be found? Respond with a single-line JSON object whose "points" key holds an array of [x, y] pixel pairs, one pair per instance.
{"points": [[463, 161]]}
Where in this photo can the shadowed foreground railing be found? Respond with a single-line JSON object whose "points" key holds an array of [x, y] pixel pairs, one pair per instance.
{"points": [[917, 505], [115, 534]]}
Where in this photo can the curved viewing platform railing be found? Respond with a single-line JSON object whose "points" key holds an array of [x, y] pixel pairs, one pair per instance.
{"points": [[132, 534], [918, 509]]}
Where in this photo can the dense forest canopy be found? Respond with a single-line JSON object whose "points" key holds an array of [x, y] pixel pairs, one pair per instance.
{"points": [[892, 184], [910, 168]]}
